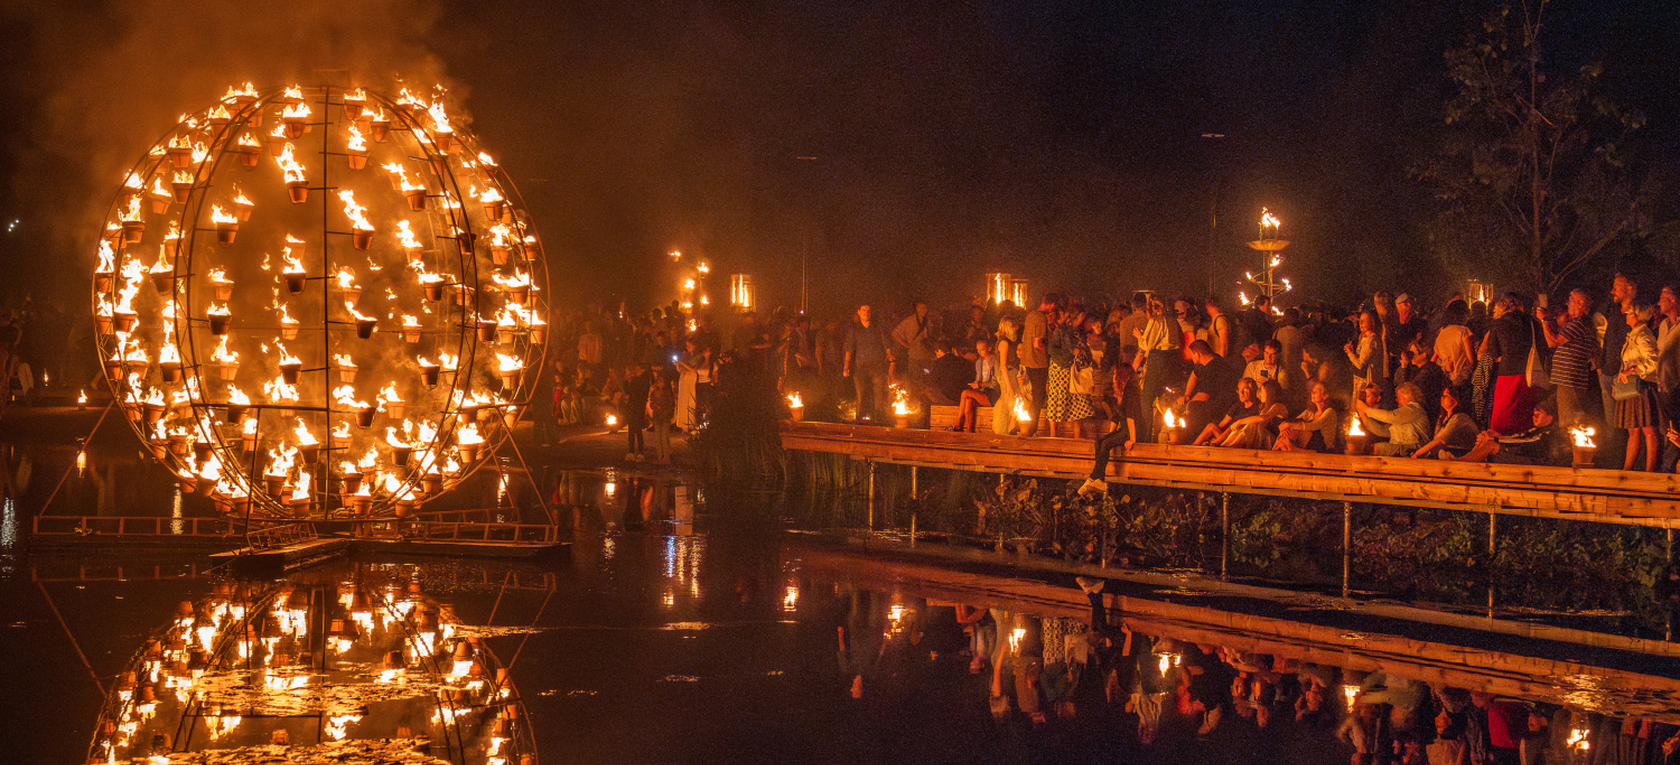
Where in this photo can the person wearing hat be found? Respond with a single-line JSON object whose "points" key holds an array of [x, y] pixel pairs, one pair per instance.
{"points": [[1404, 326]]}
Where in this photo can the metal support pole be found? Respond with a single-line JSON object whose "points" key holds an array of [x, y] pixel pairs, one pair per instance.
{"points": [[914, 503], [871, 519], [1224, 535], [1347, 546], [1493, 547]]}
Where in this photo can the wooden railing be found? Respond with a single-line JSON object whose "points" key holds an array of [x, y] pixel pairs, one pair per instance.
{"points": [[1585, 494], [134, 526], [532, 533], [270, 537]]}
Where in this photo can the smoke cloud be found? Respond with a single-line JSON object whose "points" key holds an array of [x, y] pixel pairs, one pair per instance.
{"points": [[103, 80]]}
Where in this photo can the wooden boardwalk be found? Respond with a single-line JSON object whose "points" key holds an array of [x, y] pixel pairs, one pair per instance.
{"points": [[1599, 496]]}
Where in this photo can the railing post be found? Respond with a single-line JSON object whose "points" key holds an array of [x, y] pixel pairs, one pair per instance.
{"points": [[913, 505], [1224, 535], [1347, 546], [871, 501], [1492, 548]]}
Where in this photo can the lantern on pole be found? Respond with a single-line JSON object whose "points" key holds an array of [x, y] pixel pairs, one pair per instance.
{"points": [[741, 291]]}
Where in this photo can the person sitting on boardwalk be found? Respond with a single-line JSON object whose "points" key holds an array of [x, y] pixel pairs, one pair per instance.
{"points": [[1317, 428], [1256, 431], [1547, 443], [983, 389], [1247, 405], [1406, 426], [1455, 429], [1128, 408]]}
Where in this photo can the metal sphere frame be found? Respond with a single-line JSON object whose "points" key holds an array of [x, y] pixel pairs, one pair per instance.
{"points": [[452, 266]]}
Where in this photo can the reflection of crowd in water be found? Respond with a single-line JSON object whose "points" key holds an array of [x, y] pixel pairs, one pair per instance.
{"points": [[1166, 699]]}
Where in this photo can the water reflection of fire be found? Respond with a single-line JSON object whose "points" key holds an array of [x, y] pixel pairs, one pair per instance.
{"points": [[241, 662]]}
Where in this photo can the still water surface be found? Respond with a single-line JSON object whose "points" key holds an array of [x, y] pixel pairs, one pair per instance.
{"points": [[660, 638]]}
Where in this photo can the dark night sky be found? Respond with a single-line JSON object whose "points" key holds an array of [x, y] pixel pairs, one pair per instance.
{"points": [[1056, 140]]}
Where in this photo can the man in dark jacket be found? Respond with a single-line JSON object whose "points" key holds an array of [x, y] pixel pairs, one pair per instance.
{"points": [[868, 361]]}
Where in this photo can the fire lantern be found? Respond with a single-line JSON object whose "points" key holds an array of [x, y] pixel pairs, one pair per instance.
{"points": [[266, 437]]}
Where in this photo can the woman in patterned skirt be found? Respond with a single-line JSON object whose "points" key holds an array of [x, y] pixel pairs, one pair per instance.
{"points": [[1067, 345]]}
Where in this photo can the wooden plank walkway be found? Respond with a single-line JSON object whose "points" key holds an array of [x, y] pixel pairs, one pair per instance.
{"points": [[1599, 496]]}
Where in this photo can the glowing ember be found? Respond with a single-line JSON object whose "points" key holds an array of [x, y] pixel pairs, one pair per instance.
{"points": [[794, 401], [1170, 421]]}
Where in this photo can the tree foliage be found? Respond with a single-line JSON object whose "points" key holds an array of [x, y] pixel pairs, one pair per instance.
{"points": [[1526, 167]]}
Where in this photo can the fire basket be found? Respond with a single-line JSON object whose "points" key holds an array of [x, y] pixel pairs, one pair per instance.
{"points": [[255, 267]]}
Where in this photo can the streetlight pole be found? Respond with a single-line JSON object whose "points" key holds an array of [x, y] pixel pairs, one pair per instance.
{"points": [[1213, 218], [805, 245]]}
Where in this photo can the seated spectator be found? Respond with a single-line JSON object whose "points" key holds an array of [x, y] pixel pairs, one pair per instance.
{"points": [[1406, 426], [982, 390], [1317, 428], [1256, 431], [1455, 429], [1246, 405], [948, 375], [1547, 443]]}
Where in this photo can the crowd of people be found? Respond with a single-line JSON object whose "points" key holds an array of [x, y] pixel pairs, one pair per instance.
{"points": [[1175, 699], [1468, 380]]}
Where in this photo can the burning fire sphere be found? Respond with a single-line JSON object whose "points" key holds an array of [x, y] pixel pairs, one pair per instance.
{"points": [[315, 302]]}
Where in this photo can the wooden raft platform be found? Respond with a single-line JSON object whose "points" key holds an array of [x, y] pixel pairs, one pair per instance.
{"points": [[1598, 496]]}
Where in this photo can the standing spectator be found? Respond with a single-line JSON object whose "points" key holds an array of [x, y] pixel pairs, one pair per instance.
{"points": [[1219, 330], [1453, 350], [1574, 344], [1509, 341], [1418, 367], [662, 404], [913, 340], [1067, 348], [1131, 325], [1270, 367], [1212, 388], [1159, 359], [589, 348], [10, 336], [1406, 327], [1668, 352], [1035, 357], [1635, 391], [868, 362], [1365, 353], [1257, 320], [634, 409], [1624, 289], [1292, 338], [1008, 377]]}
